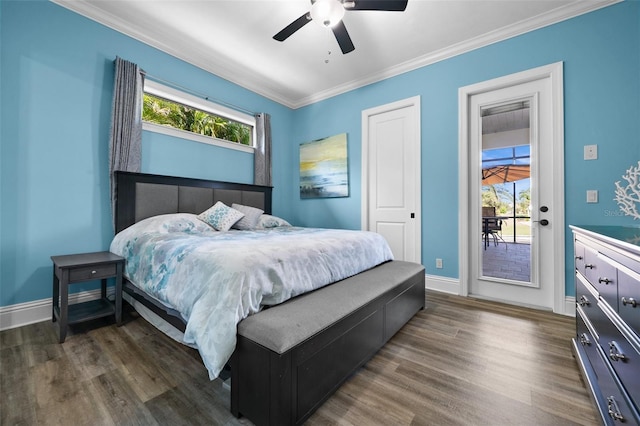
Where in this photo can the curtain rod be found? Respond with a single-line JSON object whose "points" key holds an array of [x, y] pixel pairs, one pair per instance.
{"points": [[200, 95]]}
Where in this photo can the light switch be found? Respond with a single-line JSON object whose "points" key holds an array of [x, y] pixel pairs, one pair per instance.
{"points": [[592, 196], [591, 152]]}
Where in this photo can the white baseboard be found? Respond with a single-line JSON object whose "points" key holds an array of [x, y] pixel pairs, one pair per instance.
{"points": [[452, 286], [569, 306], [442, 284], [14, 316]]}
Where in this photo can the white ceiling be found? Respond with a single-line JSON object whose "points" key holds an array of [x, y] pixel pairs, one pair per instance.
{"points": [[233, 38]]}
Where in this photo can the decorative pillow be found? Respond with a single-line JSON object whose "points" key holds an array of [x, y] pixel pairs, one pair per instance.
{"points": [[250, 219], [220, 216], [268, 221]]}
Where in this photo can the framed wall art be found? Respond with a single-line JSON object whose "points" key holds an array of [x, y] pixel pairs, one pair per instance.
{"points": [[324, 168]]}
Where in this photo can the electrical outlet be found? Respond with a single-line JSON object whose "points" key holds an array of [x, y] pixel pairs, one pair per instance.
{"points": [[592, 196], [438, 263], [591, 152]]}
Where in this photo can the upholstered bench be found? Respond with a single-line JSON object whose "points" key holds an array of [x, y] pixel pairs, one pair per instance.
{"points": [[290, 358]]}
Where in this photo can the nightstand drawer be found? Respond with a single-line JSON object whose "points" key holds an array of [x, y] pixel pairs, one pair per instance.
{"points": [[92, 272]]}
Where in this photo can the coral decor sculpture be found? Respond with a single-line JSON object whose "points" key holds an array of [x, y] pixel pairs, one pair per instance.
{"points": [[628, 196]]}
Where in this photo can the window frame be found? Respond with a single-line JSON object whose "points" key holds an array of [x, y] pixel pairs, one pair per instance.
{"points": [[163, 91]]}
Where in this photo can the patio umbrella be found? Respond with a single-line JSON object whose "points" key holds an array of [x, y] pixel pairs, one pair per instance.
{"points": [[506, 173]]}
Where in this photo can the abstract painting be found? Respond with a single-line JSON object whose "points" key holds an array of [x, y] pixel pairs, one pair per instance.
{"points": [[324, 168]]}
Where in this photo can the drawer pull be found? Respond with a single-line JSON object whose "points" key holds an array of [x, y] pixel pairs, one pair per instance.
{"points": [[631, 301], [605, 280], [614, 411], [584, 339], [615, 353], [584, 301], [588, 265], [578, 257]]}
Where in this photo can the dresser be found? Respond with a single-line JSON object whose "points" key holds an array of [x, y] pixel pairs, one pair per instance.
{"points": [[607, 342]]}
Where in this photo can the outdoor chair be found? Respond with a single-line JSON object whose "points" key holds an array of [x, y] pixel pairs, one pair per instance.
{"points": [[491, 226]]}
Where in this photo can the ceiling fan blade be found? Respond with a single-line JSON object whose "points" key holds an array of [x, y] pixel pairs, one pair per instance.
{"points": [[342, 36], [293, 27], [389, 5]]}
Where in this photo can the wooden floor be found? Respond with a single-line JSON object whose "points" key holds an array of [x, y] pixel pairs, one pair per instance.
{"points": [[461, 361]]}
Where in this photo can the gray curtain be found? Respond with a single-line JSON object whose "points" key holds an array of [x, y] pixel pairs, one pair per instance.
{"points": [[262, 155], [125, 136]]}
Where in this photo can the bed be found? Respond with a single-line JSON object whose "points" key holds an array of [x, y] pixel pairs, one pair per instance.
{"points": [[149, 210]]}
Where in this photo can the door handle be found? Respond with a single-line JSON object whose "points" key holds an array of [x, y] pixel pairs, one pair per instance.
{"points": [[543, 222]]}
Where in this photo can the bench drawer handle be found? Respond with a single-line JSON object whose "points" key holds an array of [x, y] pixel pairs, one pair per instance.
{"points": [[615, 353], [588, 265], [604, 280], [631, 301]]}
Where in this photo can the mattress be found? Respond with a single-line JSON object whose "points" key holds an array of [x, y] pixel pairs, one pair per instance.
{"points": [[215, 279]]}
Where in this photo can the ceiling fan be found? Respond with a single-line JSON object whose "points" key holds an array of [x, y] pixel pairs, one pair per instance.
{"points": [[329, 14]]}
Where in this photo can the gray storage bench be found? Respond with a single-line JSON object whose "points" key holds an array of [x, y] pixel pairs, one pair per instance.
{"points": [[290, 358]]}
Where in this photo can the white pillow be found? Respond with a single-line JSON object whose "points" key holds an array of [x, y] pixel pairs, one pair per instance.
{"points": [[250, 219], [220, 216]]}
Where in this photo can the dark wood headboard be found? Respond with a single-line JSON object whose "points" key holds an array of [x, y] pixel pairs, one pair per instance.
{"points": [[140, 195]]}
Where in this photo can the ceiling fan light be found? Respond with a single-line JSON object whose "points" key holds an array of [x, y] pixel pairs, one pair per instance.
{"points": [[327, 13]]}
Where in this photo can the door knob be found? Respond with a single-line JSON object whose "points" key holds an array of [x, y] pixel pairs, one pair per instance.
{"points": [[543, 222], [544, 209]]}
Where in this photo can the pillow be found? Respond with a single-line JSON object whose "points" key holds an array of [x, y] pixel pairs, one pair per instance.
{"points": [[172, 222], [268, 221], [250, 219], [220, 216]]}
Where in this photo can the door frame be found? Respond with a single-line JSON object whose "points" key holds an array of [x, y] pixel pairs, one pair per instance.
{"points": [[414, 104], [555, 73]]}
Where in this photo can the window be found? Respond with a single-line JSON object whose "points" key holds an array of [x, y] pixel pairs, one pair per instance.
{"points": [[173, 112]]}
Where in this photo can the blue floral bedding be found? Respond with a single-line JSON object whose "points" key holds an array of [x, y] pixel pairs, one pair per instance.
{"points": [[216, 279]]}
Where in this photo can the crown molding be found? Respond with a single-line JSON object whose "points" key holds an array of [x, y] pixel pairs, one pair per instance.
{"points": [[191, 55], [569, 11], [256, 83]]}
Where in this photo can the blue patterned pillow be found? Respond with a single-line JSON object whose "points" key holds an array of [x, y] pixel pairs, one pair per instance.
{"points": [[220, 216]]}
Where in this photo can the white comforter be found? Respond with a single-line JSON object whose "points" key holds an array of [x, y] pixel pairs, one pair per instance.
{"points": [[216, 279]]}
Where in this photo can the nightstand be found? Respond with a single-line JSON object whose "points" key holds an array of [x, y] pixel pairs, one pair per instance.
{"points": [[76, 268]]}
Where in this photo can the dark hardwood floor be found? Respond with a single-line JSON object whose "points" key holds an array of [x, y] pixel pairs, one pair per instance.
{"points": [[461, 361]]}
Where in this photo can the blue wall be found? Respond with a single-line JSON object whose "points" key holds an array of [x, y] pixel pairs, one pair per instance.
{"points": [[601, 55], [57, 79], [56, 75]]}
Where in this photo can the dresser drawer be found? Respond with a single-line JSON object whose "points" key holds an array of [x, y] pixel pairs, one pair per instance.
{"points": [[587, 300], [585, 338], [92, 272], [602, 275], [578, 254], [629, 298], [623, 357], [614, 402]]}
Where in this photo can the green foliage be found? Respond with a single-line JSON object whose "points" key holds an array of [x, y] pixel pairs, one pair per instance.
{"points": [[500, 196], [168, 113]]}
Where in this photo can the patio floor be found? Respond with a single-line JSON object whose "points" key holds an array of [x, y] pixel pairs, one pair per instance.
{"points": [[507, 260]]}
